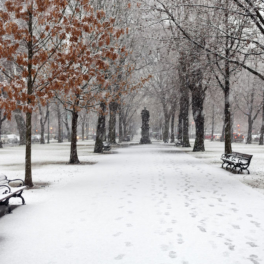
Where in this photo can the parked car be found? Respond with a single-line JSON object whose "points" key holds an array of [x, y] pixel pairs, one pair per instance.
{"points": [[9, 139], [238, 137], [255, 138], [217, 137], [35, 138], [127, 138]]}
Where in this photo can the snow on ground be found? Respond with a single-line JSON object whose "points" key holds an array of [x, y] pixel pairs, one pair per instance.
{"points": [[215, 149], [150, 204]]}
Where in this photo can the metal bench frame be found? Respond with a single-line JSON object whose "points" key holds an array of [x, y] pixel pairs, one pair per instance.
{"points": [[236, 160], [8, 192]]}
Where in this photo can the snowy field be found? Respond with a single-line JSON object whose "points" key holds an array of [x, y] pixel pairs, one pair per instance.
{"points": [[215, 149], [151, 204]]}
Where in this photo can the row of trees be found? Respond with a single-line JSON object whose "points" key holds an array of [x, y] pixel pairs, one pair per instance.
{"points": [[207, 47], [75, 52]]}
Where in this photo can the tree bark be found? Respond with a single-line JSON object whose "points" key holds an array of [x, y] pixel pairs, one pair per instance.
{"points": [[166, 127], [87, 128], [74, 155], [222, 139], [83, 125], [180, 126], [212, 134], [249, 134], [185, 117], [28, 170], [112, 122], [172, 127], [60, 136], [228, 146], [1, 122], [42, 133], [98, 148], [198, 116], [120, 138], [125, 128], [262, 125]]}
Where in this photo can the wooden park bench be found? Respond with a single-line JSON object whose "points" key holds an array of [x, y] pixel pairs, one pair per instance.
{"points": [[7, 192], [236, 160], [106, 146]]}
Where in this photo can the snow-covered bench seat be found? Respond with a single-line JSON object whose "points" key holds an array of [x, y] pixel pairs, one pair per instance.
{"points": [[236, 160], [7, 191]]}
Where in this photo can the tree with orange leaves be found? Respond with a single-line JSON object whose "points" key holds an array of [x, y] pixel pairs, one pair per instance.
{"points": [[45, 41]]}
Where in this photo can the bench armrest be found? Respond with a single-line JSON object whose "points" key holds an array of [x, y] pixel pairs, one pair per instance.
{"points": [[21, 184], [9, 189]]}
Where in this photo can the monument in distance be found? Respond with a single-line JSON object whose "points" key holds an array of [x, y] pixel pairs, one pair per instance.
{"points": [[145, 127]]}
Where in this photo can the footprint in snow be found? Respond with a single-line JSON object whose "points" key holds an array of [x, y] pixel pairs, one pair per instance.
{"points": [[253, 259], [117, 234], [128, 244], [255, 223], [119, 257], [249, 215], [172, 254], [201, 228], [252, 244]]}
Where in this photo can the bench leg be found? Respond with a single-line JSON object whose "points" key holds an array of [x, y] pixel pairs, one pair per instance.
{"points": [[22, 198]]}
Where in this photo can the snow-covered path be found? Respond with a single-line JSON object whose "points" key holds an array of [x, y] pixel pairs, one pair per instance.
{"points": [[145, 205]]}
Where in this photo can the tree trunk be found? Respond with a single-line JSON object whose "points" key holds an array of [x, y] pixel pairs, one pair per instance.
{"points": [[98, 148], [83, 125], [74, 156], [185, 117], [87, 128], [198, 116], [125, 129], [112, 123], [222, 139], [212, 135], [166, 128], [227, 138], [42, 131], [120, 138], [249, 134], [228, 147], [60, 136], [21, 126], [180, 126], [28, 171], [172, 128], [262, 126], [1, 122]]}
